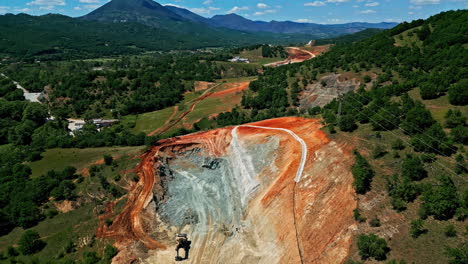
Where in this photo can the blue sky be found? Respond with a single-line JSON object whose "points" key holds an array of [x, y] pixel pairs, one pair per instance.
{"points": [[314, 11]]}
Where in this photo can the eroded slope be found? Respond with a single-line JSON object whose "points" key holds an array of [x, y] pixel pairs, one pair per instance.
{"points": [[275, 191]]}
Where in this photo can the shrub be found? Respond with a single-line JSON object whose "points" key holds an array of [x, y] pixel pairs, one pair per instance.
{"points": [[457, 255], [372, 246], [357, 216], [30, 243], [109, 253], [362, 173], [412, 168], [417, 228], [398, 144], [378, 152], [450, 231], [374, 222], [108, 160], [441, 201]]}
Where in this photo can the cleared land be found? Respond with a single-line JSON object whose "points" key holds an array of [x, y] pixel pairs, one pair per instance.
{"points": [[58, 159]]}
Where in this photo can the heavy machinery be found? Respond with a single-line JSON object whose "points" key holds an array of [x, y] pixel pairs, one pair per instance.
{"points": [[182, 242]]}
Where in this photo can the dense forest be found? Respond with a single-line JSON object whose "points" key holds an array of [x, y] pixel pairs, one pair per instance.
{"points": [[60, 37], [128, 85]]}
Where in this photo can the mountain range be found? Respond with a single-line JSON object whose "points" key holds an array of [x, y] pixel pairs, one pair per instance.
{"points": [[156, 15], [134, 26]]}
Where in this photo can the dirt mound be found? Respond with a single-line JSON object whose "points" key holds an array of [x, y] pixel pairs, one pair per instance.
{"points": [[275, 191]]}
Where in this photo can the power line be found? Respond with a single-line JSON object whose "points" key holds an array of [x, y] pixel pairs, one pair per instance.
{"points": [[404, 131], [415, 128], [450, 170]]}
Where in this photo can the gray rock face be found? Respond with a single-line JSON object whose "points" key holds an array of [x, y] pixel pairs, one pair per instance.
{"points": [[318, 95], [206, 191]]}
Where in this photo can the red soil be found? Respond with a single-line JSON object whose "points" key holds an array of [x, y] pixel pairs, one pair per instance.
{"points": [[319, 207]]}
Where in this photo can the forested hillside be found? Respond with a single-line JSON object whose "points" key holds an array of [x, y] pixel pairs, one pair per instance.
{"points": [[61, 37]]}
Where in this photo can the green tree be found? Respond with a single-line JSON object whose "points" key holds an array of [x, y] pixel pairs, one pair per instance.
{"points": [[109, 253], [372, 246], [458, 94], [442, 200], [417, 120], [91, 257], [429, 91], [433, 140], [461, 167], [30, 243], [36, 113], [347, 123], [460, 134], [108, 160], [454, 118], [362, 173], [398, 144], [413, 168]]}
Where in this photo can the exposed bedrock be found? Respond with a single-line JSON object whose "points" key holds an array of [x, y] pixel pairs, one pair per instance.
{"points": [[318, 94], [233, 190]]}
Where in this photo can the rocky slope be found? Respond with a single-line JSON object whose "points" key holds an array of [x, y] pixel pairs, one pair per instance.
{"points": [[275, 191]]}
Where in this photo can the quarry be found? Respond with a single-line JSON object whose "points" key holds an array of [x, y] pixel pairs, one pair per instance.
{"points": [[274, 191]]}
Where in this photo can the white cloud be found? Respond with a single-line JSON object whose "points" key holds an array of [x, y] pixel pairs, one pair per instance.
{"points": [[92, 6], [337, 1], [89, 1], [23, 10], [368, 11], [269, 11], [335, 20], [355, 6], [425, 2], [48, 8], [203, 10], [3, 9], [315, 3], [397, 20], [262, 5], [197, 10], [410, 13], [47, 3], [208, 2], [78, 8], [372, 4], [303, 20], [237, 9]]}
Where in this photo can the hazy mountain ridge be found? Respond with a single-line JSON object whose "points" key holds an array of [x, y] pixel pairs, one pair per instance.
{"points": [[153, 14]]}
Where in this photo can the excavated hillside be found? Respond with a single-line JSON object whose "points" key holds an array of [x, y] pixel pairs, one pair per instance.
{"points": [[275, 191]]}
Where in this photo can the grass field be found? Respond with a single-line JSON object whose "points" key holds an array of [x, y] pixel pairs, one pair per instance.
{"points": [[58, 159], [151, 121], [406, 40], [438, 106], [255, 56]]}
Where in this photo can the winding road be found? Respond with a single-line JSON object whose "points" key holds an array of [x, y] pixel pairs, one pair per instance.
{"points": [[299, 172]]}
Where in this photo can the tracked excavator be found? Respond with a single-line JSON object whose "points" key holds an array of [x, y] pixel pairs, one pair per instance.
{"points": [[184, 243]]}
